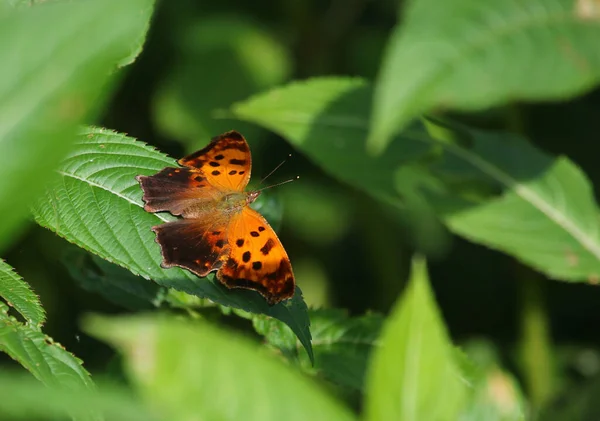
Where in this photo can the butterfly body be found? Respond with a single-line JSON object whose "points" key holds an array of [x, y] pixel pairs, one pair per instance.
{"points": [[219, 230]]}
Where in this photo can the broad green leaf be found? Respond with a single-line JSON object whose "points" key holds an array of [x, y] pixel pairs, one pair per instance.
{"points": [[24, 398], [191, 370], [546, 216], [535, 207], [52, 77], [413, 374], [47, 360], [18, 294], [469, 54], [97, 205]]}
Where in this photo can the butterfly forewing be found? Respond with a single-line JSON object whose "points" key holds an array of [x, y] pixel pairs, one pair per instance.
{"points": [[225, 162], [176, 190]]}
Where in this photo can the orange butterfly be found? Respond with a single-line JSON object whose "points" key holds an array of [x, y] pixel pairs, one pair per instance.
{"points": [[219, 230]]}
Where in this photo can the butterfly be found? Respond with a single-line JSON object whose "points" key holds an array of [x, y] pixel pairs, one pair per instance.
{"points": [[219, 230]]}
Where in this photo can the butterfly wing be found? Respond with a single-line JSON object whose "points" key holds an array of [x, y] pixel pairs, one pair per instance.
{"points": [[193, 244], [221, 167], [225, 161], [257, 259], [176, 190]]}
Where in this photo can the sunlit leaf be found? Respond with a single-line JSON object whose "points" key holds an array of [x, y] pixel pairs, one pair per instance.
{"points": [[191, 370], [413, 374]]}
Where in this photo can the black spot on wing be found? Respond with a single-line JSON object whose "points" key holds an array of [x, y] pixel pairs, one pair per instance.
{"points": [[240, 162], [246, 256], [267, 247]]}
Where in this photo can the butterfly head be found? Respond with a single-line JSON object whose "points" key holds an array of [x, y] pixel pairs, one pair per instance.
{"points": [[252, 196]]}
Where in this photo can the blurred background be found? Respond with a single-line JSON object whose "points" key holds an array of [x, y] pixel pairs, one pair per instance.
{"points": [[347, 250]]}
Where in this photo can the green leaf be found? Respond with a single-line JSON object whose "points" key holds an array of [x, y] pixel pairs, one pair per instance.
{"points": [[18, 294], [25, 398], [468, 54], [97, 205], [413, 375], [327, 119], [113, 282], [191, 370], [546, 215], [53, 76], [47, 360], [343, 345]]}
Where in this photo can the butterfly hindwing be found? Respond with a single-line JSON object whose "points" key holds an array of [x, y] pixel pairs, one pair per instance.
{"points": [[225, 162], [193, 245], [257, 259]]}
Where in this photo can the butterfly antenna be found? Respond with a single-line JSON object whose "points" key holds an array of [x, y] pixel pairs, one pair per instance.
{"points": [[275, 169], [279, 184]]}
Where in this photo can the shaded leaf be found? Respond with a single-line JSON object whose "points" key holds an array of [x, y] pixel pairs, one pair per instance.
{"points": [[18, 294], [413, 374], [113, 282], [469, 55], [343, 345], [192, 370], [97, 205], [52, 78]]}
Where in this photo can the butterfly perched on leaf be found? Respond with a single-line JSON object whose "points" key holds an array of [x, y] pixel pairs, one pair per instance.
{"points": [[219, 230]]}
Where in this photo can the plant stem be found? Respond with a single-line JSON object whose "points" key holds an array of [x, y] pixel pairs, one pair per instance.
{"points": [[535, 341]]}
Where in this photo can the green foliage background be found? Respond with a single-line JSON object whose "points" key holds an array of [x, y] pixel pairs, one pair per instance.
{"points": [[444, 230]]}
